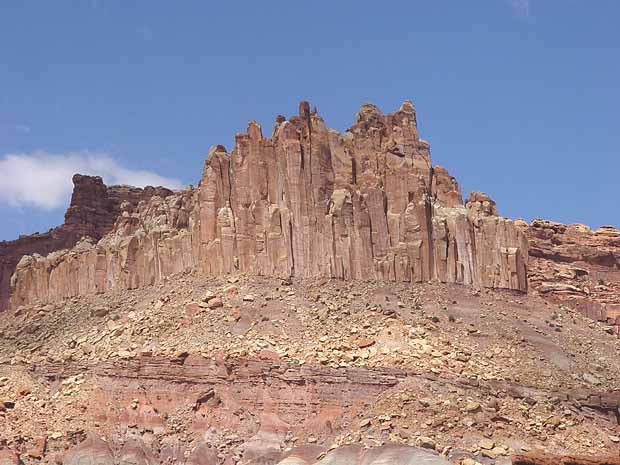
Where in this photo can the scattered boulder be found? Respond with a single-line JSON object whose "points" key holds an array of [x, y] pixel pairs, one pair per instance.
{"points": [[215, 302], [99, 312]]}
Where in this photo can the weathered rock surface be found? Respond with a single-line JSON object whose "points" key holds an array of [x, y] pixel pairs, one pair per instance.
{"points": [[92, 213], [131, 453], [92, 451], [307, 202], [306, 366], [576, 265], [8, 458], [544, 459]]}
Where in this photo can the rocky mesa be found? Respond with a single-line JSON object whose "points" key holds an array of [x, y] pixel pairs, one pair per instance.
{"points": [[306, 202]]}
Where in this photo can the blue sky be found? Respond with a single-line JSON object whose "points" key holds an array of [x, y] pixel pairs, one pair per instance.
{"points": [[518, 98]]}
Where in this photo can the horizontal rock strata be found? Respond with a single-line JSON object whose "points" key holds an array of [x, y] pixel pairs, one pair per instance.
{"points": [[244, 379], [576, 265], [306, 202], [261, 400]]}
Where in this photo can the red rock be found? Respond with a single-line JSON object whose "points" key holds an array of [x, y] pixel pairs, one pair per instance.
{"points": [[134, 452], [203, 454], [575, 265], [544, 459], [172, 451], [363, 341], [307, 202], [302, 455], [215, 302], [191, 310], [8, 457], [265, 354]]}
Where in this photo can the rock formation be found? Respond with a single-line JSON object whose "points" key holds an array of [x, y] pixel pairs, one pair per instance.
{"points": [[306, 202], [576, 265], [92, 213]]}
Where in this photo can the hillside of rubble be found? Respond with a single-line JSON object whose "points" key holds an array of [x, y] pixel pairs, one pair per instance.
{"points": [[255, 367]]}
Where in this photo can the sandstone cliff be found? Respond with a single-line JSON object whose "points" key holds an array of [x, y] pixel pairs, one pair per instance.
{"points": [[305, 202], [92, 213]]}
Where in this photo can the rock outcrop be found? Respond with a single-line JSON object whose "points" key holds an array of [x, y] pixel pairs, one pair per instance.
{"points": [[92, 213], [547, 459], [366, 204], [576, 265], [306, 202]]}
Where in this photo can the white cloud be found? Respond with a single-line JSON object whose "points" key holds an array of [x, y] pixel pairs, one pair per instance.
{"points": [[43, 180], [22, 128], [521, 7], [15, 128]]}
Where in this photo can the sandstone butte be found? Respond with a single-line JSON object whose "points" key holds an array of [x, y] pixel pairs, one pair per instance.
{"points": [[306, 202], [309, 202]]}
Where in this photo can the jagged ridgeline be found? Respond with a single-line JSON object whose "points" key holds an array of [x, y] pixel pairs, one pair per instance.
{"points": [[306, 202]]}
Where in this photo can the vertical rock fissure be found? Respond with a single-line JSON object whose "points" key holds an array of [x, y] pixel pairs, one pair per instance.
{"points": [[231, 183], [292, 248]]}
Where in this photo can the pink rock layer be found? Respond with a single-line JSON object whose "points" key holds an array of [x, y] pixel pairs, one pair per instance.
{"points": [[306, 202]]}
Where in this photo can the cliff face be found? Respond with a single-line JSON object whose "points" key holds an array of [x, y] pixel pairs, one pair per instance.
{"points": [[576, 265], [306, 202], [93, 210], [366, 204]]}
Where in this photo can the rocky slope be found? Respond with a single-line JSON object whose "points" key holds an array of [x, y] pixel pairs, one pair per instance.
{"points": [[256, 370]]}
